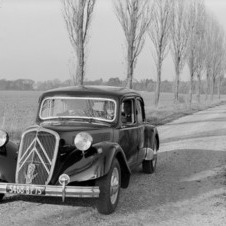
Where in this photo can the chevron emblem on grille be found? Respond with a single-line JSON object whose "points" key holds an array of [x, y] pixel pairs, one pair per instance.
{"points": [[37, 156], [27, 154]]}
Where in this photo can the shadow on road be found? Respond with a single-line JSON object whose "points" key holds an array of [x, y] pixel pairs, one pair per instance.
{"points": [[79, 202], [181, 175]]}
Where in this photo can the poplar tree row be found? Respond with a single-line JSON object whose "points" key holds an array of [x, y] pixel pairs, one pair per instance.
{"points": [[182, 27]]}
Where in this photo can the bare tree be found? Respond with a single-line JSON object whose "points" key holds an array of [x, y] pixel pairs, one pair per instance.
{"points": [[220, 80], [223, 68], [180, 33], [200, 68], [208, 40], [78, 15], [159, 32], [218, 63], [72, 70], [196, 56], [134, 19], [215, 54]]}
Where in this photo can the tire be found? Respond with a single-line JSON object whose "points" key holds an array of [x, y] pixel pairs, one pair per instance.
{"points": [[149, 166], [108, 198], [1, 195]]}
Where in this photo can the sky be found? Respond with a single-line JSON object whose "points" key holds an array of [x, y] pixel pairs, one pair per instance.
{"points": [[34, 43]]}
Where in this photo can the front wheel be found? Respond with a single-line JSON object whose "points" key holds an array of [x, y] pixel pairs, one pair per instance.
{"points": [[149, 166], [109, 189], [1, 195]]}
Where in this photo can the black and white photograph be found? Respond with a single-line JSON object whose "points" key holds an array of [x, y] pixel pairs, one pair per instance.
{"points": [[113, 112]]}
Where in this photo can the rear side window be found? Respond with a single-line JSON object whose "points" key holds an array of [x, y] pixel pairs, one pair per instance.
{"points": [[140, 111]]}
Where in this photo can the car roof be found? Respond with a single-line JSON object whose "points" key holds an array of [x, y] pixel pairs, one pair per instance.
{"points": [[106, 91]]}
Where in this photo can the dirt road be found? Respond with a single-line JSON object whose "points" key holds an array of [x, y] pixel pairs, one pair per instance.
{"points": [[189, 187]]}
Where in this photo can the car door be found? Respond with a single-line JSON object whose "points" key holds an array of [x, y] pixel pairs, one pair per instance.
{"points": [[128, 138], [140, 118]]}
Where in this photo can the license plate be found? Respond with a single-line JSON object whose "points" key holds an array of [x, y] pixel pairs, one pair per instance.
{"points": [[25, 189]]}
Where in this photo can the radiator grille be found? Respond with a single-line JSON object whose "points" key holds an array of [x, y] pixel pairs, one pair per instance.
{"points": [[37, 156]]}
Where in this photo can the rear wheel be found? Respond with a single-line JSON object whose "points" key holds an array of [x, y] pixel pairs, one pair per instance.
{"points": [[1, 195], [109, 189], [149, 166]]}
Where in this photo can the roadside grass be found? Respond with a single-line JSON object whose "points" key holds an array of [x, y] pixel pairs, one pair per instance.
{"points": [[18, 111], [19, 108], [168, 111]]}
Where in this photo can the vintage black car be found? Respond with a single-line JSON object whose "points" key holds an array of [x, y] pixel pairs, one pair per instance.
{"points": [[85, 143]]}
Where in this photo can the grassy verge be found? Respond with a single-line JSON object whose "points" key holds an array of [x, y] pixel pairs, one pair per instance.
{"points": [[163, 115], [18, 109]]}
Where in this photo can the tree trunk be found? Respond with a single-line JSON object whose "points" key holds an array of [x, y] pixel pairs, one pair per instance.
{"points": [[130, 66], [158, 84], [207, 86], [212, 88], [80, 65], [190, 89], [80, 49], [177, 83], [199, 88], [219, 88]]}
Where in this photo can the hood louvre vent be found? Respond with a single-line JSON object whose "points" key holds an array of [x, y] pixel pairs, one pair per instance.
{"points": [[101, 137]]}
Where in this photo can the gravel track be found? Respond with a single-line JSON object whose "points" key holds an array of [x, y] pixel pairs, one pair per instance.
{"points": [[188, 187]]}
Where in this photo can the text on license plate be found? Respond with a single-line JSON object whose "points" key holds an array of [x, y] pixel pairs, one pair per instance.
{"points": [[25, 189]]}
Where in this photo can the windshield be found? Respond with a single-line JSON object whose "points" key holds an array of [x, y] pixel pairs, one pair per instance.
{"points": [[78, 107]]}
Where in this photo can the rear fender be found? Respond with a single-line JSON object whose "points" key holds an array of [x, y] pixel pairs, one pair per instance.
{"points": [[100, 164], [150, 135], [8, 161]]}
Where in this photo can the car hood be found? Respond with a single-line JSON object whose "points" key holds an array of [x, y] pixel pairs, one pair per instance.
{"points": [[67, 132]]}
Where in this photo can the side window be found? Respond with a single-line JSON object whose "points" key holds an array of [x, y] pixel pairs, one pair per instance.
{"points": [[127, 111], [139, 111]]}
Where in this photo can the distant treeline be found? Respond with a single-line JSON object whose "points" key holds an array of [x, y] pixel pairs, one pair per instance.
{"points": [[142, 85]]}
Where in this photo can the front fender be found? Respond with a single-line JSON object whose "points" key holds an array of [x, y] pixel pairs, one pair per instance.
{"points": [[8, 161], [99, 164]]}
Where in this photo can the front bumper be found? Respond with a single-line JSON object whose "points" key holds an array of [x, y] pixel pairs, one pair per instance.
{"points": [[50, 190]]}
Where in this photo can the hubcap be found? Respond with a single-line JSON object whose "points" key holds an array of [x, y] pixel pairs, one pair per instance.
{"points": [[114, 189]]}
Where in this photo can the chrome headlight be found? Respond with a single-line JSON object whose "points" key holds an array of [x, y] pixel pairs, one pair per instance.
{"points": [[3, 138], [83, 141]]}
